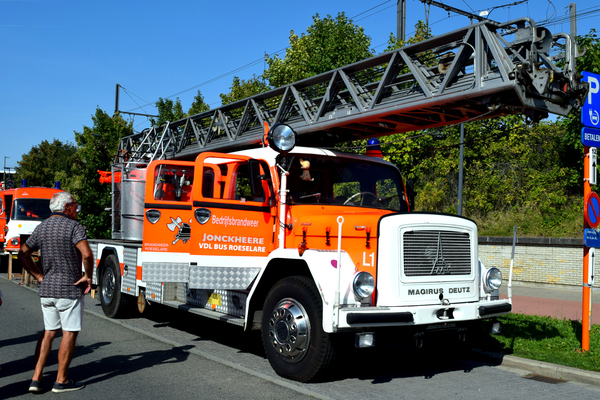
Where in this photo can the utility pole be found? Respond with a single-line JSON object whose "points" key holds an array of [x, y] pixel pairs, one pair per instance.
{"points": [[461, 169], [4, 172], [573, 19], [126, 112], [401, 20], [117, 99]]}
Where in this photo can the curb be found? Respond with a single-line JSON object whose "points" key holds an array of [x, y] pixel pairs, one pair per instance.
{"points": [[539, 367]]}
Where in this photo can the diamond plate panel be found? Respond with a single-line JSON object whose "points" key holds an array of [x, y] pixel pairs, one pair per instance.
{"points": [[180, 294], [130, 256], [130, 262], [165, 272], [231, 303], [170, 291], [154, 292], [222, 277], [94, 247]]}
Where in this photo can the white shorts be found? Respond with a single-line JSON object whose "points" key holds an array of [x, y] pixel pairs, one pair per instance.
{"points": [[62, 313]]}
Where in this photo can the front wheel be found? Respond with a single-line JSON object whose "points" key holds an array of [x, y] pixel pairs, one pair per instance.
{"points": [[111, 298], [292, 330]]}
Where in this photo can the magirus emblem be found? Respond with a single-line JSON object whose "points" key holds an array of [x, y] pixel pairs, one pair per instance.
{"points": [[184, 230], [440, 266]]}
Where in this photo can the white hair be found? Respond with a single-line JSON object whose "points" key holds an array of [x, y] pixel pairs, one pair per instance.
{"points": [[59, 201]]}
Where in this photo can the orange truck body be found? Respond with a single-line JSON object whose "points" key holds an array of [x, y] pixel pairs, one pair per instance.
{"points": [[328, 247]]}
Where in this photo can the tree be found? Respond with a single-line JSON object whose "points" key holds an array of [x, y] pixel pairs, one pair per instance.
{"points": [[241, 89], [198, 105], [168, 110], [328, 44], [410, 147], [422, 32], [96, 148], [44, 162]]}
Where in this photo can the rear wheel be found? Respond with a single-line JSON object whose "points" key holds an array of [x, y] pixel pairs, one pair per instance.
{"points": [[292, 330], [111, 298]]}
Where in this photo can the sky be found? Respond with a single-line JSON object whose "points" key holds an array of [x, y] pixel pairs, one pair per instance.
{"points": [[60, 60]]}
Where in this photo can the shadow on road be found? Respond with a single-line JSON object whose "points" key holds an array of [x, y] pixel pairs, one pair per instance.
{"points": [[383, 363], [98, 371]]}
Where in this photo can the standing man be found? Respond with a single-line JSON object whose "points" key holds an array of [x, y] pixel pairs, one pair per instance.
{"points": [[63, 247]]}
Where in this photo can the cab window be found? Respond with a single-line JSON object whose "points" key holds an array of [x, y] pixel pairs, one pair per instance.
{"points": [[173, 182], [241, 182], [31, 209]]}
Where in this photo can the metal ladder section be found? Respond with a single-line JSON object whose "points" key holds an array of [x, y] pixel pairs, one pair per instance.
{"points": [[481, 71]]}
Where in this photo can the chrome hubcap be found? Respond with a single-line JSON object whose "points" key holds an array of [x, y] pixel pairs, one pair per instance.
{"points": [[289, 330], [108, 286]]}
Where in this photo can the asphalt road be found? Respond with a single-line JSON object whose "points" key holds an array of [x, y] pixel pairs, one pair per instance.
{"points": [[174, 354]]}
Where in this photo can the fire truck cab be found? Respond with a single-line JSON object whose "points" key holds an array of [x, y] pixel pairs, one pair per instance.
{"points": [[25, 208]]}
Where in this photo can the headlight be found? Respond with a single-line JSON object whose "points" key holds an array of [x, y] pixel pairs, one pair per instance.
{"points": [[492, 280], [363, 285], [15, 241], [282, 138]]}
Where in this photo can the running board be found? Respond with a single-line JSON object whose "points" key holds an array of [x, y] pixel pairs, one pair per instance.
{"points": [[230, 319]]}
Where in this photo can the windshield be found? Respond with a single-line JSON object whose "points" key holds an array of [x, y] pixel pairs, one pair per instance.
{"points": [[342, 181], [31, 209]]}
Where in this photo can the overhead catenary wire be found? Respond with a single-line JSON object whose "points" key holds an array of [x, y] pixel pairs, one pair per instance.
{"points": [[252, 63], [552, 19]]}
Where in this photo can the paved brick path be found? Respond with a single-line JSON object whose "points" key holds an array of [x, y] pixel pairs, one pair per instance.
{"points": [[552, 302]]}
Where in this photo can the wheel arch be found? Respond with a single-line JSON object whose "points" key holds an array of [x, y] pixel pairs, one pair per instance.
{"points": [[107, 251], [276, 270]]}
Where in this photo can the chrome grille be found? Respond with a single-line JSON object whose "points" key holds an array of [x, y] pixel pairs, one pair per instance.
{"points": [[434, 252]]}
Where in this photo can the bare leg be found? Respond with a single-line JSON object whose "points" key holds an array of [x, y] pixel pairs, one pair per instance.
{"points": [[42, 351], [65, 355]]}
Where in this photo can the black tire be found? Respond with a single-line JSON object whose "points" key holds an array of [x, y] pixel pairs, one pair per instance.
{"points": [[292, 330], [111, 298]]}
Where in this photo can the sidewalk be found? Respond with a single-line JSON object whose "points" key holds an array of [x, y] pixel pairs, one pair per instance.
{"points": [[551, 302]]}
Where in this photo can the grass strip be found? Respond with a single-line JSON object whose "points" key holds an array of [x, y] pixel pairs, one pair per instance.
{"points": [[552, 340]]}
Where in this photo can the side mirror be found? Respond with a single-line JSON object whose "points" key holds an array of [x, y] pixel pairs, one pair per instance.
{"points": [[255, 178], [410, 192]]}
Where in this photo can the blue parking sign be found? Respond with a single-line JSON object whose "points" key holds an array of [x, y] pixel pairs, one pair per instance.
{"points": [[591, 238], [590, 111]]}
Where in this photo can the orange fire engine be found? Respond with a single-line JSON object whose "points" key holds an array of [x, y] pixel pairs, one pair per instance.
{"points": [[222, 215]]}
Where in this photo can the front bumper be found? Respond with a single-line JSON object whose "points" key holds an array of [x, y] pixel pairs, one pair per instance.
{"points": [[371, 317]]}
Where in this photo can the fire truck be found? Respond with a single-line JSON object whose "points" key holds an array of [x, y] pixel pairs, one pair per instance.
{"points": [[247, 213], [21, 210]]}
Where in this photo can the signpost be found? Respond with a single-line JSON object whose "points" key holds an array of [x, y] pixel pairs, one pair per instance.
{"points": [[590, 137]]}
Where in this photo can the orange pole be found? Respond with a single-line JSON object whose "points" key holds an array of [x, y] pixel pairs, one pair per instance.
{"points": [[587, 309]]}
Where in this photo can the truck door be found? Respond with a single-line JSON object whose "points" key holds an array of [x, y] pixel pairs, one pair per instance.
{"points": [[232, 222], [168, 207], [3, 219], [6, 197]]}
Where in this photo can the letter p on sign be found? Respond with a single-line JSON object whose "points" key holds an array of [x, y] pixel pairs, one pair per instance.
{"points": [[594, 88], [590, 112]]}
